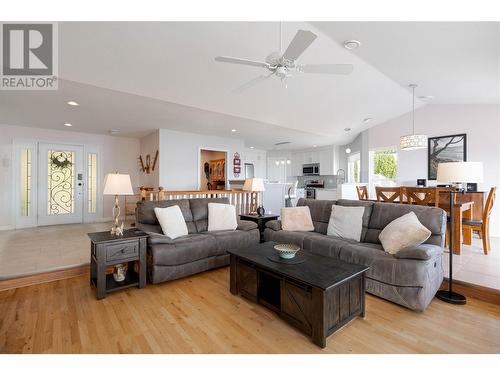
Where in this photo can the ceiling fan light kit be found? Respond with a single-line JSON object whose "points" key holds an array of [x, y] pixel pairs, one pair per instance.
{"points": [[413, 141], [284, 65]]}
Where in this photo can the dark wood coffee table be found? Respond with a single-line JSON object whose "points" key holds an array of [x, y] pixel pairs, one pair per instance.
{"points": [[318, 296]]}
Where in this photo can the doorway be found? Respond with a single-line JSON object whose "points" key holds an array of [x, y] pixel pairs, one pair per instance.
{"points": [[55, 184], [212, 170], [60, 184]]}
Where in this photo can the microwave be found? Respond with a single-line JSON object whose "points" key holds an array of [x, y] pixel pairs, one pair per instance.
{"points": [[310, 169]]}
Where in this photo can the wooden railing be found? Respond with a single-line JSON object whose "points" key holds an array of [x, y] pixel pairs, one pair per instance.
{"points": [[244, 201]]}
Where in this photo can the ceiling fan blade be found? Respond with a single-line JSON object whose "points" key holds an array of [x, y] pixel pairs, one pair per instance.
{"points": [[327, 68], [251, 83], [300, 42], [236, 60]]}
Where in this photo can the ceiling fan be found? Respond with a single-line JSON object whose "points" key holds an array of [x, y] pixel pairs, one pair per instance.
{"points": [[283, 65]]}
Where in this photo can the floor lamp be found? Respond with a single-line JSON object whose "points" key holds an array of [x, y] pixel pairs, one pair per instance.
{"points": [[460, 173]]}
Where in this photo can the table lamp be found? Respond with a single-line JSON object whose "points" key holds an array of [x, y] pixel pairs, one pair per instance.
{"points": [[117, 184], [255, 185], [456, 173]]}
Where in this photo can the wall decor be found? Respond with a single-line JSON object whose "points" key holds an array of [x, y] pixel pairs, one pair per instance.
{"points": [[146, 166], [448, 148], [236, 165]]}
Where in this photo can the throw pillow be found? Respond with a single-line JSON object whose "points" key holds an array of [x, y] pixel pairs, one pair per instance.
{"points": [[296, 219], [171, 221], [346, 222], [405, 231], [221, 217]]}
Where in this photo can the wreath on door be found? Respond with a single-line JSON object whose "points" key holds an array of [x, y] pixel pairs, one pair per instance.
{"points": [[60, 161]]}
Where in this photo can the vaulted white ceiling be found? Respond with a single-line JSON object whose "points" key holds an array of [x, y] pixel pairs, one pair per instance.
{"points": [[140, 76]]}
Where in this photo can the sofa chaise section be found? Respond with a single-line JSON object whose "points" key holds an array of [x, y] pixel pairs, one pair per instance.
{"points": [[409, 278]]}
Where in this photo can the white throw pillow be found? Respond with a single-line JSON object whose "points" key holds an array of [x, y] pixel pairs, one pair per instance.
{"points": [[296, 219], [405, 231], [171, 221], [221, 217], [346, 222]]}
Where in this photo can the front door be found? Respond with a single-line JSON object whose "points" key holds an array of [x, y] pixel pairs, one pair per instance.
{"points": [[60, 186]]}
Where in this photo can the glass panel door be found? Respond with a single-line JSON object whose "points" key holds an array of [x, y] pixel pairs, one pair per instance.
{"points": [[60, 184]]}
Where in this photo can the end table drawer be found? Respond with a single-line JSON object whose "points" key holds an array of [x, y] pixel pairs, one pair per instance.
{"points": [[122, 250]]}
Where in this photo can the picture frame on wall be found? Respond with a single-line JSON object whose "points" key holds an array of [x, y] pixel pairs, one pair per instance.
{"points": [[448, 148]]}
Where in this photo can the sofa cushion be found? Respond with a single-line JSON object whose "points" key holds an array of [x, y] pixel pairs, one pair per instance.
{"points": [[184, 250], [297, 238], [422, 252], [296, 219], [221, 216], [432, 218], [405, 231], [320, 212], [199, 209], [171, 221], [145, 213], [366, 215], [235, 239], [346, 222], [246, 225]]}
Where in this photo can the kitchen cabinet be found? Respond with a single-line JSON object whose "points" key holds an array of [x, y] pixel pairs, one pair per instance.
{"points": [[327, 157]]}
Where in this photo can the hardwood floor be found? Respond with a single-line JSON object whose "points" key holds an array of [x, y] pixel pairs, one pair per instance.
{"points": [[199, 315]]}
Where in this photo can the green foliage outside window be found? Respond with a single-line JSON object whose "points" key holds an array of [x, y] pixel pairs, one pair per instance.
{"points": [[385, 164], [356, 171]]}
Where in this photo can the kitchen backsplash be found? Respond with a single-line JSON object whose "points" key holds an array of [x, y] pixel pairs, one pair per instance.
{"points": [[330, 180]]}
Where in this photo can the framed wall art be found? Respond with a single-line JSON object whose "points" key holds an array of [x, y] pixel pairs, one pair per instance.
{"points": [[448, 148]]}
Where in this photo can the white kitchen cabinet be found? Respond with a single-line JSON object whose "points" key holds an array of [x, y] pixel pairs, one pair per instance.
{"points": [[297, 161]]}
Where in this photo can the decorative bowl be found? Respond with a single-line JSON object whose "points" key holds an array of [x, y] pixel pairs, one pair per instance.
{"points": [[286, 250]]}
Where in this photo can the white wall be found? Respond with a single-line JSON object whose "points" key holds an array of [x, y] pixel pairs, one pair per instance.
{"points": [[180, 153], [149, 145], [117, 154], [481, 123]]}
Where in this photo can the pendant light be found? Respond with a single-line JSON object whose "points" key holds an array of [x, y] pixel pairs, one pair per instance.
{"points": [[413, 141]]}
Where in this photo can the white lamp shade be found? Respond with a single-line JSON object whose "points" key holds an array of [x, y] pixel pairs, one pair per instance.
{"points": [[117, 184], [463, 171], [413, 142], [254, 184]]}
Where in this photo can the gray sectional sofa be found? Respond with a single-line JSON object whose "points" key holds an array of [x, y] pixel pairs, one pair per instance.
{"points": [[409, 278], [198, 251]]}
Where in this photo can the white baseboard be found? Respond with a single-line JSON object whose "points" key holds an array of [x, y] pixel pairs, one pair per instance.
{"points": [[6, 227]]}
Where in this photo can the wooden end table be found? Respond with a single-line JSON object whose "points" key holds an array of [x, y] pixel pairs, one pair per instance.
{"points": [[107, 249], [260, 220]]}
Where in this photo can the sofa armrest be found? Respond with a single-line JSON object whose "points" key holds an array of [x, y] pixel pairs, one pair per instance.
{"points": [[156, 238], [420, 252], [246, 225], [274, 225]]}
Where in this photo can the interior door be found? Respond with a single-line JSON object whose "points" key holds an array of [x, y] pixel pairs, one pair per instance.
{"points": [[60, 185]]}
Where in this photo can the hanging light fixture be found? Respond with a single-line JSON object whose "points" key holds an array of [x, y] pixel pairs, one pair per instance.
{"points": [[413, 141], [348, 149]]}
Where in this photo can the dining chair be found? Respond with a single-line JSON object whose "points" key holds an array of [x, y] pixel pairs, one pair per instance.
{"points": [[423, 196], [362, 191], [483, 226], [389, 194]]}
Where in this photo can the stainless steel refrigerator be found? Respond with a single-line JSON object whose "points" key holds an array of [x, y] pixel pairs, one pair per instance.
{"points": [[249, 170]]}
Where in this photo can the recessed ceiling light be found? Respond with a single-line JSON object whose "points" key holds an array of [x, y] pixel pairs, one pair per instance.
{"points": [[368, 119], [73, 103], [113, 131], [315, 145], [351, 44], [234, 130], [426, 98], [68, 125], [347, 129], [252, 147]]}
